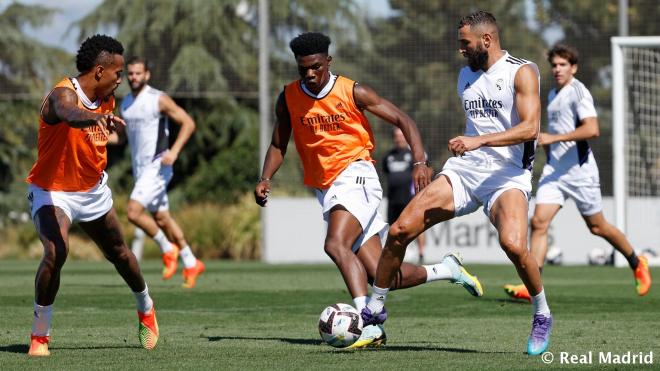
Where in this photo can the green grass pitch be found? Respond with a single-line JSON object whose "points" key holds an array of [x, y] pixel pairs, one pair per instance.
{"points": [[246, 316]]}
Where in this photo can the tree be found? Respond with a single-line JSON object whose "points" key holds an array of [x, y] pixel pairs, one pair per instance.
{"points": [[27, 67], [204, 54]]}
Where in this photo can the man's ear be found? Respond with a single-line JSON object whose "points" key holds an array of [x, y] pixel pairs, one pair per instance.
{"points": [[487, 39], [98, 72]]}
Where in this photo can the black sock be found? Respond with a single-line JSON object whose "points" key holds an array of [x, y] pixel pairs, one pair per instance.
{"points": [[633, 261]]}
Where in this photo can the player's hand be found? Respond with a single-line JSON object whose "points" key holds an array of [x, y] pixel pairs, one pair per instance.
{"points": [[169, 158], [261, 192], [461, 144], [545, 139], [109, 123], [422, 176]]}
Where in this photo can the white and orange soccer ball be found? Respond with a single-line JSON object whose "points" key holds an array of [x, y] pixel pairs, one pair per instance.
{"points": [[340, 325]]}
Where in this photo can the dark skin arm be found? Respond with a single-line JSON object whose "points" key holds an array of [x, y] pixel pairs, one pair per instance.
{"points": [[62, 106], [528, 105], [367, 99], [276, 150]]}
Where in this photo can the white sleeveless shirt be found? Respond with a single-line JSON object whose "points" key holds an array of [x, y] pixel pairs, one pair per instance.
{"points": [[572, 160], [489, 101], [146, 128]]}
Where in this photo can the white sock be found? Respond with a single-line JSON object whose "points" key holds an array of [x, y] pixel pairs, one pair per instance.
{"points": [[163, 243], [144, 302], [41, 321], [377, 300], [360, 302], [137, 245], [187, 257], [437, 272], [540, 304]]}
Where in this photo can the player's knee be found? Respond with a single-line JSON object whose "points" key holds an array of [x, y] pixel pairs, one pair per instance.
{"points": [[161, 219], [513, 245], [400, 233], [119, 254], [335, 248], [540, 225], [54, 255], [133, 214]]}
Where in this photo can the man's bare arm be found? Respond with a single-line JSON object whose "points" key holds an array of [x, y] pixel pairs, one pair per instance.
{"points": [[181, 117]]}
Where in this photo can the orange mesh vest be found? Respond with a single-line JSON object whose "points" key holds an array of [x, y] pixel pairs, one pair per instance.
{"points": [[70, 159], [330, 132]]}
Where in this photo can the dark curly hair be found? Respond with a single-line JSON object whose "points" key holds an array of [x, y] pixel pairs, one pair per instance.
{"points": [[309, 43], [97, 49], [564, 51], [479, 17]]}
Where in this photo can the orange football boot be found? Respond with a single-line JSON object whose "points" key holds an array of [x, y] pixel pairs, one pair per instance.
{"points": [[148, 329], [190, 274], [170, 259], [518, 292], [39, 346], [642, 276]]}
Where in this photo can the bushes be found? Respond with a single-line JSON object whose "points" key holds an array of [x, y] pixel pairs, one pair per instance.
{"points": [[225, 231]]}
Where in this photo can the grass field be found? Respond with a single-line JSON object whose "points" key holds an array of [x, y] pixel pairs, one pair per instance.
{"points": [[248, 316]]}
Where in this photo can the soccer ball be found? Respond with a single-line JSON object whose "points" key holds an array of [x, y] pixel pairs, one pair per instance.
{"points": [[554, 256], [598, 256], [340, 325]]}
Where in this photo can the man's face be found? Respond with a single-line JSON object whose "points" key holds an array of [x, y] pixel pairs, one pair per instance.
{"points": [[110, 78], [137, 76], [314, 70], [562, 70], [472, 48]]}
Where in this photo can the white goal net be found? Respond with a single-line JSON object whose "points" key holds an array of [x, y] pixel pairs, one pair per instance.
{"points": [[636, 139]]}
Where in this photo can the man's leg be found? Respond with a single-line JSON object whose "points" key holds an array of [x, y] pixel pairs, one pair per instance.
{"points": [[432, 205], [410, 275], [106, 233], [421, 244], [600, 227], [509, 216], [343, 230], [193, 266], [52, 225], [140, 218], [543, 215]]}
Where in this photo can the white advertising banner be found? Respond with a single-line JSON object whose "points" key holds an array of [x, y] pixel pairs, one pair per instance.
{"points": [[295, 231]]}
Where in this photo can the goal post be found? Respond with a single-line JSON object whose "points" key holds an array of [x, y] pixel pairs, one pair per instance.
{"points": [[636, 138]]}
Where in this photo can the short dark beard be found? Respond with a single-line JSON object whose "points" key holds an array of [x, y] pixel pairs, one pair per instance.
{"points": [[142, 84], [477, 59]]}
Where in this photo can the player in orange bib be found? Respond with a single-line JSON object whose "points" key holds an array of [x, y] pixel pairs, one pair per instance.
{"points": [[334, 140], [68, 184]]}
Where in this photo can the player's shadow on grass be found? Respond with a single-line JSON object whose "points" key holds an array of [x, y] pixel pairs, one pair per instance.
{"points": [[285, 340], [387, 348], [15, 348], [23, 348]]}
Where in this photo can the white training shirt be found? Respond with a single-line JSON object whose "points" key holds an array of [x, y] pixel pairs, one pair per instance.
{"points": [[146, 128], [489, 102], [571, 160]]}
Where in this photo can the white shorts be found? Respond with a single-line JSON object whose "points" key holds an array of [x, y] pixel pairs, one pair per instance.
{"points": [[586, 195], [150, 189], [475, 184], [357, 189], [78, 206]]}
